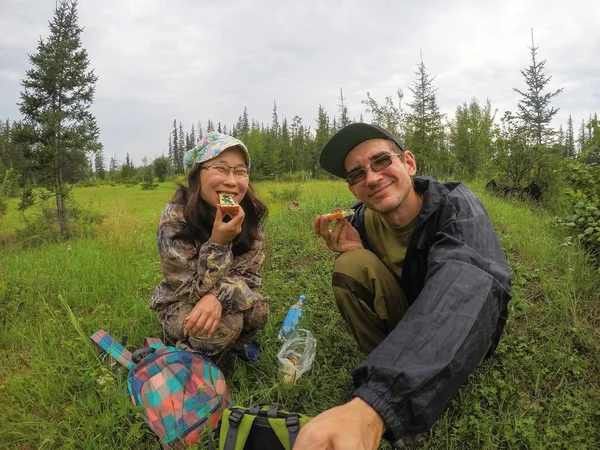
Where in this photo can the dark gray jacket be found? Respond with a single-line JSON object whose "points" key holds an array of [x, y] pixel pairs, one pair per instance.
{"points": [[457, 282]]}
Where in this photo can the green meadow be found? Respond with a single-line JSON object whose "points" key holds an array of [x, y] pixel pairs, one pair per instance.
{"points": [[540, 391]]}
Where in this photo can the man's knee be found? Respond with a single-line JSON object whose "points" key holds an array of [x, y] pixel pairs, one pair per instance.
{"points": [[354, 262], [350, 274]]}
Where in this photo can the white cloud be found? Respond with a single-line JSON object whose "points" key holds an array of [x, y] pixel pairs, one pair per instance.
{"points": [[191, 60]]}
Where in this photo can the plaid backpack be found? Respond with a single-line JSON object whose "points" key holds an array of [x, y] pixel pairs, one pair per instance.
{"points": [[183, 392]]}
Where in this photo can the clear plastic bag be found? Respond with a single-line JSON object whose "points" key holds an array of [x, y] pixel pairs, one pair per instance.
{"points": [[296, 355]]}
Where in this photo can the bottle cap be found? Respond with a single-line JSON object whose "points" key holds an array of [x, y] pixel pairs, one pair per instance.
{"points": [[302, 297]]}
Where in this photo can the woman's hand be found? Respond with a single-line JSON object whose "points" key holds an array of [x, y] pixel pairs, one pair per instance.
{"points": [[223, 233], [204, 318]]}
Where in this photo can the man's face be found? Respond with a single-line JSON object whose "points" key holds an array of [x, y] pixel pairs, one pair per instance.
{"points": [[382, 191]]}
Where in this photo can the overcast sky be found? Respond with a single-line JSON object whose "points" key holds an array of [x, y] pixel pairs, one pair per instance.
{"points": [[198, 59]]}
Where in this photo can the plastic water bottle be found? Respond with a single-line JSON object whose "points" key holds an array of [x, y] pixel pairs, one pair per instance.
{"points": [[292, 319]]}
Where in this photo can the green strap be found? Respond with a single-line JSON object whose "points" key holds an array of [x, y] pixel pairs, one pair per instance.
{"points": [[287, 429], [235, 429], [292, 423]]}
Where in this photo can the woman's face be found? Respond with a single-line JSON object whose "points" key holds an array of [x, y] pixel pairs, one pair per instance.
{"points": [[227, 172]]}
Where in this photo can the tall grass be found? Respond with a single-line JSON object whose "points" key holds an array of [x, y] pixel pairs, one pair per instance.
{"points": [[540, 391]]}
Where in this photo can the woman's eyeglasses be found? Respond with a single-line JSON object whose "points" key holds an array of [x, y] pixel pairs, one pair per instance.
{"points": [[224, 169], [378, 164]]}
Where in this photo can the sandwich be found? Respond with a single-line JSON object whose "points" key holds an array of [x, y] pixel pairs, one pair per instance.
{"points": [[228, 204], [338, 215]]}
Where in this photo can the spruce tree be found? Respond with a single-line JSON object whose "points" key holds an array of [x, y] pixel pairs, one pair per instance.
{"points": [[424, 130], [560, 136], [534, 109], [60, 129], [192, 138], [344, 119], [275, 126], [200, 133], [322, 135], [582, 137], [245, 125], [297, 150], [99, 164], [285, 149], [128, 170], [181, 149], [570, 138], [175, 147]]}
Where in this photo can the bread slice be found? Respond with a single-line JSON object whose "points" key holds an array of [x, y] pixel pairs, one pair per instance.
{"points": [[340, 214], [228, 204]]}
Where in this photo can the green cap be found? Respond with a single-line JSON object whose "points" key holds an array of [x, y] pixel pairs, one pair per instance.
{"points": [[335, 151]]}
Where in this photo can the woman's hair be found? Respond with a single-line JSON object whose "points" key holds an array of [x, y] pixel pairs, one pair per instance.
{"points": [[200, 216]]}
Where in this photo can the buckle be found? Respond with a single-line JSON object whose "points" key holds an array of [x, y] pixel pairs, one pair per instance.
{"points": [[292, 423], [235, 417]]}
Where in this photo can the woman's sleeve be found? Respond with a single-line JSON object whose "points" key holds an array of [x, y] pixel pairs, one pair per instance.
{"points": [[238, 288]]}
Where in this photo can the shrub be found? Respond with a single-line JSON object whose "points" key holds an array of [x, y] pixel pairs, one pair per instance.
{"points": [[584, 224], [287, 193], [298, 176], [3, 205], [43, 226]]}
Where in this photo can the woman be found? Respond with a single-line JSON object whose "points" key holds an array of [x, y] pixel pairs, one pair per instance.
{"points": [[208, 300]]}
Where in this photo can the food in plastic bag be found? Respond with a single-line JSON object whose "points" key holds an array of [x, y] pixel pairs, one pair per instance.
{"points": [[296, 355]]}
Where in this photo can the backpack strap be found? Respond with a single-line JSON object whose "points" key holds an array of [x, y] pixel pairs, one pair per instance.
{"points": [[111, 347], [272, 412], [114, 365], [153, 343], [292, 423], [287, 429], [141, 353], [237, 429]]}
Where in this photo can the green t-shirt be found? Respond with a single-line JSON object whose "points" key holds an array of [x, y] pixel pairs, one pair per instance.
{"points": [[388, 243]]}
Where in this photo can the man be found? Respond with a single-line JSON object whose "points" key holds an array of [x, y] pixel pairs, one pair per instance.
{"points": [[422, 282]]}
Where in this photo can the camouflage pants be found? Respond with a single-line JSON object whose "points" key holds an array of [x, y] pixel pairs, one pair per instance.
{"points": [[234, 329]]}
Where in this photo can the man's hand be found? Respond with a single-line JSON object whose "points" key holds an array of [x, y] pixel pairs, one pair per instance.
{"points": [[223, 233], [204, 318], [341, 238], [353, 426]]}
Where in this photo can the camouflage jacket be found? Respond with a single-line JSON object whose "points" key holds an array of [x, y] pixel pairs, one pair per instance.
{"points": [[191, 270]]}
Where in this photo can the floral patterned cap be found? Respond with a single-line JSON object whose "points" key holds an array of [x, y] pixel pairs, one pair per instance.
{"points": [[211, 146]]}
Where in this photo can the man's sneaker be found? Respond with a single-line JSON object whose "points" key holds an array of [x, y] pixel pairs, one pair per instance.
{"points": [[249, 352]]}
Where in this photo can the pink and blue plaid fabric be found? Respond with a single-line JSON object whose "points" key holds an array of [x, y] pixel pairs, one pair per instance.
{"points": [[183, 392]]}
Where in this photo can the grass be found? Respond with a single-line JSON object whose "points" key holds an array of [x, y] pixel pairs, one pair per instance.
{"points": [[541, 390]]}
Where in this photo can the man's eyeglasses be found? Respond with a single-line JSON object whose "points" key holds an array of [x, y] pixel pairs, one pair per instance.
{"points": [[224, 169], [378, 164]]}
